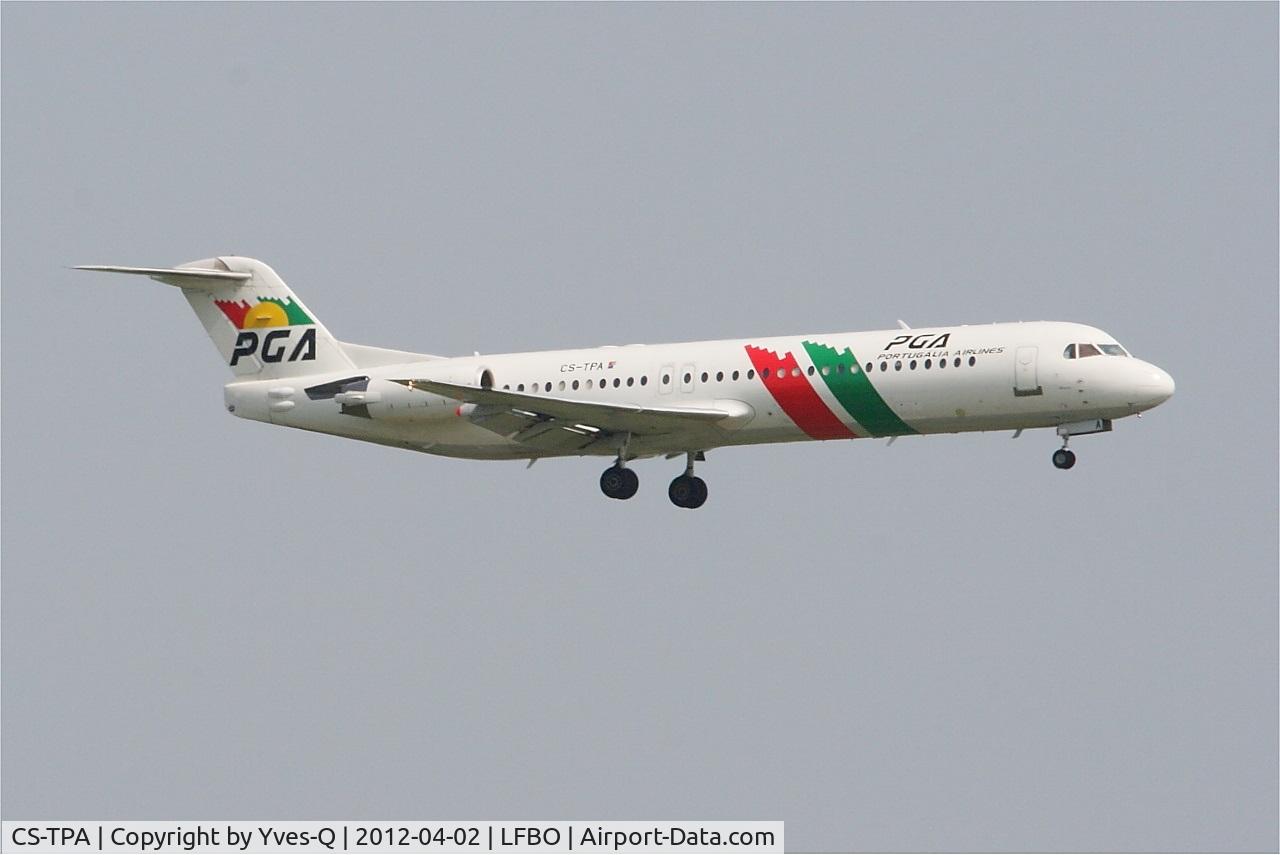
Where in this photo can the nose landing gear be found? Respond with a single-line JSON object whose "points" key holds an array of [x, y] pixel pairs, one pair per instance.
{"points": [[688, 490], [1065, 458]]}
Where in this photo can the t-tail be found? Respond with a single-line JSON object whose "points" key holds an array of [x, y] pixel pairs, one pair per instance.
{"points": [[260, 327]]}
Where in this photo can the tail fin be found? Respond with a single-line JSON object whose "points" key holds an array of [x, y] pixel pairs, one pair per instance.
{"points": [[262, 330]]}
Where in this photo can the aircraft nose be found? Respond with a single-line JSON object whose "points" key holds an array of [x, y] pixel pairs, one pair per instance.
{"points": [[1155, 386]]}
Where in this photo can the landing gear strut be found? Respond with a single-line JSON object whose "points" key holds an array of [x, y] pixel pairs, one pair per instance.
{"points": [[688, 490]]}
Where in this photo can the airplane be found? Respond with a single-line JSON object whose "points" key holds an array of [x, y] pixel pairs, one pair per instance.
{"points": [[673, 400]]}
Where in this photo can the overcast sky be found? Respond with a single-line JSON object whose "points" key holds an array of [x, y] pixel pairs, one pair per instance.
{"points": [[946, 644]]}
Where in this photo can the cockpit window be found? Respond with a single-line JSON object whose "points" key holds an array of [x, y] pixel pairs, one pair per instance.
{"points": [[1070, 352], [1088, 350], [1113, 350]]}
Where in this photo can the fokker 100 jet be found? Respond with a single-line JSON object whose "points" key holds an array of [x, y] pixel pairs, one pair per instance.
{"points": [[674, 400]]}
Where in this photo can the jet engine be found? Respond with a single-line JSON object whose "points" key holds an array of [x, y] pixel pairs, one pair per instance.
{"points": [[381, 400]]}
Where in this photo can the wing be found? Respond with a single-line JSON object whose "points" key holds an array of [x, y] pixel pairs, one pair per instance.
{"points": [[552, 423]]}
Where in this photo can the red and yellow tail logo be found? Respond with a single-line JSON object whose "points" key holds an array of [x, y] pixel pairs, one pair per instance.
{"points": [[270, 312]]}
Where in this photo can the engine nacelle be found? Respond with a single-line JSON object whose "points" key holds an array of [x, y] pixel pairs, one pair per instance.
{"points": [[393, 402]]}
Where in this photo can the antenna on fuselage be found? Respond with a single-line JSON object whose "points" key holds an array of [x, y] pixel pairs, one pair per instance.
{"points": [[903, 324]]}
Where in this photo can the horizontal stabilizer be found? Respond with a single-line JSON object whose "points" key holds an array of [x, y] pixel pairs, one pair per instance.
{"points": [[181, 277]]}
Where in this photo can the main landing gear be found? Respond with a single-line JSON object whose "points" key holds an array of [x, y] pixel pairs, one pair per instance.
{"points": [[1064, 458], [686, 491], [619, 482]]}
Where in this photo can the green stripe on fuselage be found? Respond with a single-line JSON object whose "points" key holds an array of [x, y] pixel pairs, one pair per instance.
{"points": [[853, 389]]}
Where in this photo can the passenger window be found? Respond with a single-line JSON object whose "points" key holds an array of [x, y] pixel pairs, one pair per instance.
{"points": [[913, 365], [884, 366], [549, 385], [704, 377], [631, 381], [1088, 350], [795, 372], [928, 363], [666, 378], [575, 385], [719, 376], [973, 360], [764, 373], [869, 366], [957, 362], [751, 374], [1070, 352], [897, 366], [735, 375], [810, 370], [560, 385], [519, 387], [616, 382], [644, 379], [942, 363]]}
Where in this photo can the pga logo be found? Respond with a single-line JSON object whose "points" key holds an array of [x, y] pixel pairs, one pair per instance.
{"points": [[921, 341], [273, 346], [266, 328]]}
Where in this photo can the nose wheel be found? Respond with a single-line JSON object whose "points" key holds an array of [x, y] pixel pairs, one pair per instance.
{"points": [[1065, 458]]}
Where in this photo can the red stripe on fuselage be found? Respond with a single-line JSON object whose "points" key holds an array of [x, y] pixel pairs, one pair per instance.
{"points": [[791, 389]]}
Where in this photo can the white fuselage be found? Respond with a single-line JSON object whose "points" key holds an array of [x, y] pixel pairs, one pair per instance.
{"points": [[783, 389]]}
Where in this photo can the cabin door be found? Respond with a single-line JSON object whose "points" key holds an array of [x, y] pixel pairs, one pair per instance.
{"points": [[1025, 380]]}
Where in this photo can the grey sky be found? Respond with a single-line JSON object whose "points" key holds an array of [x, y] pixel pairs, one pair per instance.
{"points": [[943, 644]]}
